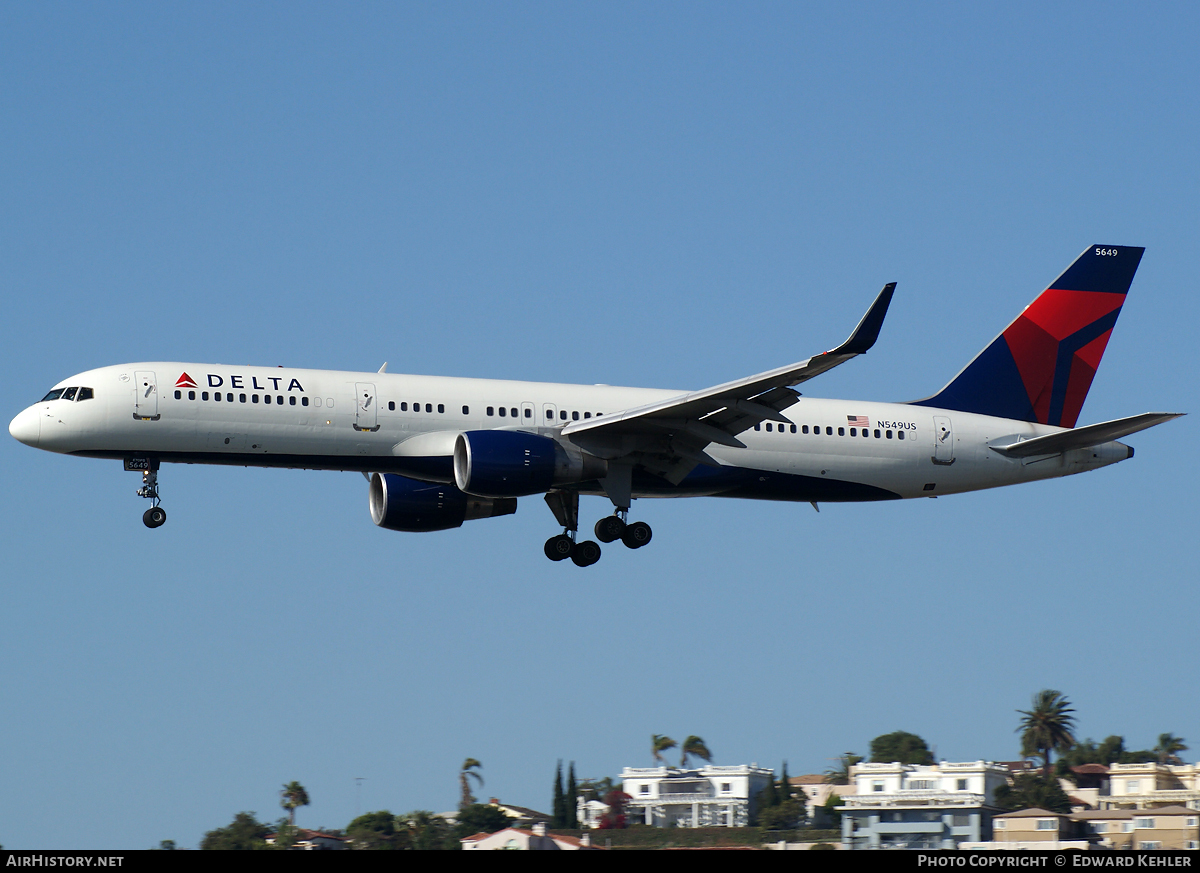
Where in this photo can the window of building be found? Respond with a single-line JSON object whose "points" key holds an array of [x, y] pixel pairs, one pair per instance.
{"points": [[1047, 824], [877, 786], [726, 787], [1131, 786], [999, 824], [643, 789], [962, 785], [1150, 844], [922, 784], [1147, 823]]}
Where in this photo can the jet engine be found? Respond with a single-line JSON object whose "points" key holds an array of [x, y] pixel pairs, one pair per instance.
{"points": [[400, 503], [508, 463]]}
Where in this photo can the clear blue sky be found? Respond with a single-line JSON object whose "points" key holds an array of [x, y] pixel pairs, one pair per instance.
{"points": [[666, 195]]}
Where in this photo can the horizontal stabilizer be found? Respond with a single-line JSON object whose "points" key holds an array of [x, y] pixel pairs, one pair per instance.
{"points": [[1085, 437]]}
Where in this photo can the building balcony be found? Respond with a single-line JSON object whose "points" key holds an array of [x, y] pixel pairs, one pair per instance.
{"points": [[913, 799]]}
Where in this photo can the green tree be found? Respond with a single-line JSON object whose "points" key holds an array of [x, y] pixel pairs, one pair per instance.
{"points": [[244, 832], [1031, 790], [1168, 749], [375, 831], [660, 743], [900, 746], [464, 776], [422, 830], [785, 785], [1047, 727], [840, 775], [164, 845], [480, 818], [293, 795], [559, 806], [693, 747], [572, 799], [830, 808], [785, 816]]}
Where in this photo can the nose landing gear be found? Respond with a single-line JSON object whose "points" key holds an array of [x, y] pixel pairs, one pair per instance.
{"points": [[155, 516]]}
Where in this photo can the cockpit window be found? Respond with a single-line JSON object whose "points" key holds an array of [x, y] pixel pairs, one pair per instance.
{"points": [[69, 394], [53, 395], [85, 394]]}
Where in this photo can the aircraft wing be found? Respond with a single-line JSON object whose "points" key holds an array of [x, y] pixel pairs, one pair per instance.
{"points": [[669, 436]]}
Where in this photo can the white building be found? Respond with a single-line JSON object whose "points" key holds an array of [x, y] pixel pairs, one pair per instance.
{"points": [[911, 806], [695, 798]]}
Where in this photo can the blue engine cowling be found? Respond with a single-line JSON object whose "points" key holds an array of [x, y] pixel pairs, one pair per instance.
{"points": [[400, 503], [504, 463]]}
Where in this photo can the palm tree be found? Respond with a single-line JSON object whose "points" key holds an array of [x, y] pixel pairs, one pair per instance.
{"points": [[293, 795], [694, 747], [840, 775], [464, 783], [660, 743], [1047, 727], [1168, 747]]}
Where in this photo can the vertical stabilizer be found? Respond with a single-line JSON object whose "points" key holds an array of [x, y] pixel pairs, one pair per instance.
{"points": [[1041, 367]]}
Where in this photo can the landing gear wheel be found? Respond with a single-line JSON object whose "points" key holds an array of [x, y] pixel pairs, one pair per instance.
{"points": [[637, 535], [557, 548], [153, 517], [609, 529], [585, 554]]}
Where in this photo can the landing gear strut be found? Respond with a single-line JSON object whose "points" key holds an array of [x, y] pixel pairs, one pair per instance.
{"points": [[617, 527], [565, 506], [155, 516]]}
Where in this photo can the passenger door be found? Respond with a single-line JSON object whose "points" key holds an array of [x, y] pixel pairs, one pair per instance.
{"points": [[145, 397], [366, 407], [943, 441]]}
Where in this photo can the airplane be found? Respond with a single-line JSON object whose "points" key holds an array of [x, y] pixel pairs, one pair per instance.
{"points": [[439, 451]]}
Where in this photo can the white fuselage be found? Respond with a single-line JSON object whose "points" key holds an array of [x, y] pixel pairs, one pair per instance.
{"points": [[383, 422]]}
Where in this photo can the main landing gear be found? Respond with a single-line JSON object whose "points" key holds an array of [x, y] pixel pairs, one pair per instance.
{"points": [[565, 506], [155, 516]]}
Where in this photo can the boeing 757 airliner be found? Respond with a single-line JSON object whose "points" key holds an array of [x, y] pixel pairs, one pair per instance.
{"points": [[439, 451]]}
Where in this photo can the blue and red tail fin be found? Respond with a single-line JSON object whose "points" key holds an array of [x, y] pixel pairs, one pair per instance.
{"points": [[1041, 366]]}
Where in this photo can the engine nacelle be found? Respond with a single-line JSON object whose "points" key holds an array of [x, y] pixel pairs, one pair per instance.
{"points": [[510, 463], [400, 503]]}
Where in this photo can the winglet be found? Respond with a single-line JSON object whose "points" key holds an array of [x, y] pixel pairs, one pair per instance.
{"points": [[867, 332]]}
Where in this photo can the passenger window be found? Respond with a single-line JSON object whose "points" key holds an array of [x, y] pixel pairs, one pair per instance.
{"points": [[292, 401], [85, 394], [391, 406], [466, 410], [304, 401], [279, 400], [575, 416], [404, 406], [513, 412], [203, 395], [191, 395], [804, 428], [549, 414], [529, 413], [876, 433], [900, 434], [888, 434], [853, 431], [178, 395], [217, 396], [587, 415], [562, 413], [503, 412], [241, 398], [254, 398], [441, 407], [828, 431], [490, 410], [793, 428], [267, 399], [758, 427], [841, 431], [429, 407], [768, 427]]}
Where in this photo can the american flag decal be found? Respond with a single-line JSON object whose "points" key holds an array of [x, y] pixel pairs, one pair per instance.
{"points": [[858, 421]]}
